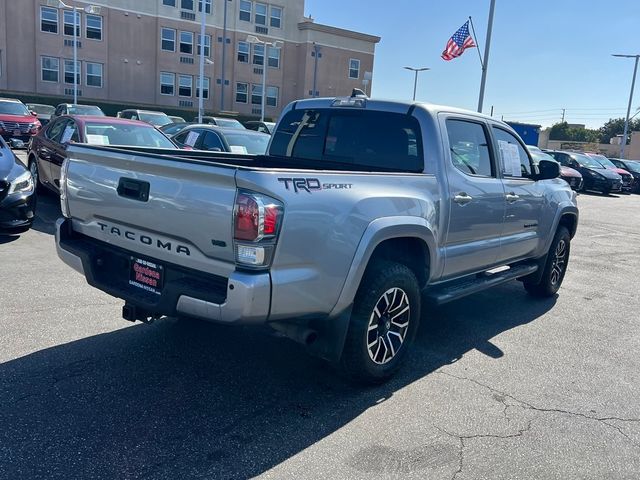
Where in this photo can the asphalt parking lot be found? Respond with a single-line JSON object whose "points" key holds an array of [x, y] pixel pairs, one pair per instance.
{"points": [[499, 386]]}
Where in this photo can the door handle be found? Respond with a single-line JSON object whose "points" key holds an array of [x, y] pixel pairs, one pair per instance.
{"points": [[462, 198], [512, 197]]}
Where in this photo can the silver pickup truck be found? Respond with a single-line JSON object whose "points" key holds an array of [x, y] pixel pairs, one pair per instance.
{"points": [[362, 214]]}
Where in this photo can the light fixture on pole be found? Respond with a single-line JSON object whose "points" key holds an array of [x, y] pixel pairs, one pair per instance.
{"points": [[91, 10], [633, 84], [265, 44], [415, 82]]}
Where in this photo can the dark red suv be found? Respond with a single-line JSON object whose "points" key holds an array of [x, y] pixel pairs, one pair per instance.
{"points": [[16, 121]]}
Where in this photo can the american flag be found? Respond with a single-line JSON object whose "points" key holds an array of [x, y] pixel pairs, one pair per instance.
{"points": [[457, 44]]}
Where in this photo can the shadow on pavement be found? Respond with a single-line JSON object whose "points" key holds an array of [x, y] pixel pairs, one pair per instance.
{"points": [[181, 399], [47, 212], [8, 238]]}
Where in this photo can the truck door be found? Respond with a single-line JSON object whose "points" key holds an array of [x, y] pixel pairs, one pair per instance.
{"points": [[523, 196], [476, 198]]}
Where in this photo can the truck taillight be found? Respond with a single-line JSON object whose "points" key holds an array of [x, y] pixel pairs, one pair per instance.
{"points": [[64, 201], [256, 224]]}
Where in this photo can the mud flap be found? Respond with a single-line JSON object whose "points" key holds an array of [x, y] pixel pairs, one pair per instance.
{"points": [[332, 333]]}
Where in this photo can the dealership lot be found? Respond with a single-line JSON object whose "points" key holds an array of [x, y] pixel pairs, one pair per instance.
{"points": [[499, 385]]}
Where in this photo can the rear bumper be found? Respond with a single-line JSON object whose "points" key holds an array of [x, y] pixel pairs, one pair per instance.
{"points": [[243, 298]]}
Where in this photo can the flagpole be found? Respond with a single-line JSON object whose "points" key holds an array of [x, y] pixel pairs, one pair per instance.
{"points": [[487, 49], [475, 39]]}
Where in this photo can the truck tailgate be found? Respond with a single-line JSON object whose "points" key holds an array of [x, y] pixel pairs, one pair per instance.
{"points": [[186, 218]]}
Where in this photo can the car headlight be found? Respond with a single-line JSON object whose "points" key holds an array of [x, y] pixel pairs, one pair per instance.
{"points": [[23, 183]]}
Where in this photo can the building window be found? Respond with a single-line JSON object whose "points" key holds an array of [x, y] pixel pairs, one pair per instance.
{"points": [[207, 45], [49, 20], [245, 10], [274, 57], [205, 90], [51, 69], [185, 86], [242, 91], [261, 14], [276, 17], [256, 94], [68, 23], [354, 68], [169, 3], [243, 52], [186, 5], [168, 39], [167, 83], [258, 54], [186, 42], [272, 96], [207, 6], [94, 74], [94, 27], [69, 70]]}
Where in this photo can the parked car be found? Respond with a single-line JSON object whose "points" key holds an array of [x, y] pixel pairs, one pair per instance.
{"points": [[594, 175], [171, 129], [627, 178], [359, 208], [71, 109], [218, 139], [157, 119], [17, 193], [263, 127], [16, 121], [631, 166], [49, 148], [568, 174], [44, 112], [222, 122], [176, 119]]}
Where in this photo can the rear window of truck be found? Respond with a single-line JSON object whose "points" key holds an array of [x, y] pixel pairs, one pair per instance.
{"points": [[350, 140]]}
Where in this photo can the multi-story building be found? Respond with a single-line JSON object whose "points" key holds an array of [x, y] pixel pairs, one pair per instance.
{"points": [[146, 53]]}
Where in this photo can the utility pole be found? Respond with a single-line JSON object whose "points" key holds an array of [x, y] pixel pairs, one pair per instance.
{"points": [[633, 84], [224, 55], [563, 112], [201, 77], [316, 55], [487, 49]]}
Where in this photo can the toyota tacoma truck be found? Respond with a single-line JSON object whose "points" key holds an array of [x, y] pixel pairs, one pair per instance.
{"points": [[362, 215]]}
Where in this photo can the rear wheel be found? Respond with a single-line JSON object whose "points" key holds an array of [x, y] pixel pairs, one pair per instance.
{"points": [[383, 323], [555, 266]]}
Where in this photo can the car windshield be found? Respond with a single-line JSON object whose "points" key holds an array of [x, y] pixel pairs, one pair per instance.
{"points": [[173, 128], [43, 109], [85, 110], [243, 143], [633, 166], [604, 161], [538, 155], [586, 161], [229, 123], [157, 119], [13, 108], [98, 133], [270, 126]]}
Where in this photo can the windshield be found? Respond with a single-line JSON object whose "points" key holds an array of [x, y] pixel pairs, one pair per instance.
{"points": [[157, 119], [229, 123], [586, 161], [633, 166], [252, 144], [43, 109], [604, 161], [13, 108], [538, 155], [173, 128], [85, 110], [125, 134]]}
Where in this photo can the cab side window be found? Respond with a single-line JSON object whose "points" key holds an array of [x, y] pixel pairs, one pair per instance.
{"points": [[469, 148], [514, 159]]}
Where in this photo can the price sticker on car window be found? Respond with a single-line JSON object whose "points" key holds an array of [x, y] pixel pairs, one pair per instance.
{"points": [[238, 149], [67, 134], [192, 138]]}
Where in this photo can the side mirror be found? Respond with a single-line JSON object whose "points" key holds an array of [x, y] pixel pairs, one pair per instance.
{"points": [[214, 149], [548, 169], [35, 114]]}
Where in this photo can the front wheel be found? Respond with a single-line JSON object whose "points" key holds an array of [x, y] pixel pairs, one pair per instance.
{"points": [[383, 324], [33, 168], [555, 266]]}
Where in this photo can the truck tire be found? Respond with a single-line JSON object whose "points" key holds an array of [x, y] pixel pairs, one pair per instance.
{"points": [[555, 266], [385, 318]]}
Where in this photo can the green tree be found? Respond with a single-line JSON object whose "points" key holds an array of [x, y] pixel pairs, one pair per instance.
{"points": [[615, 126], [562, 131]]}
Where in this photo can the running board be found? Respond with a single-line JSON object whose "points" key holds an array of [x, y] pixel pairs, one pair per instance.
{"points": [[447, 293]]}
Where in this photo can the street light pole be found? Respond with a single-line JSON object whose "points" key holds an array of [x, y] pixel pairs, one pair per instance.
{"points": [[415, 81], [201, 80], [633, 84], [265, 44]]}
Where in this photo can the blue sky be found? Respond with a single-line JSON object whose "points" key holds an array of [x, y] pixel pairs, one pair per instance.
{"points": [[545, 56]]}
